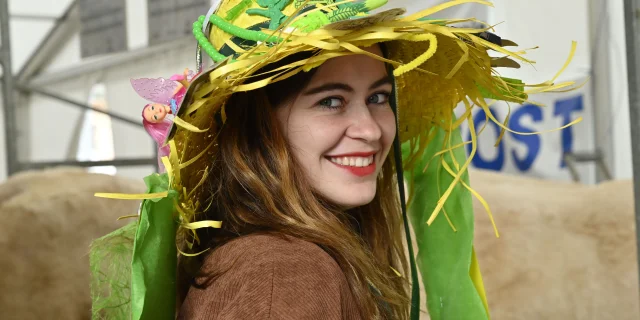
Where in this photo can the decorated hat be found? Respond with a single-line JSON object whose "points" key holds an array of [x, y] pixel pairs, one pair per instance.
{"points": [[435, 66]]}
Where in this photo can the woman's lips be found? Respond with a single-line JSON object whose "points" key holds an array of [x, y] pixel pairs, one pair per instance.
{"points": [[360, 164]]}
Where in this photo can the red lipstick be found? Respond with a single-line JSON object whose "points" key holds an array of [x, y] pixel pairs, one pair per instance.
{"points": [[358, 171], [353, 154]]}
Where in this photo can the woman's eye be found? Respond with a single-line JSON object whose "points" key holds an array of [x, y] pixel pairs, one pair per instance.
{"points": [[155, 117], [152, 108], [379, 98], [331, 103]]}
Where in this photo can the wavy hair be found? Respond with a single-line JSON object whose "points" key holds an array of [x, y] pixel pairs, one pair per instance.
{"points": [[256, 185]]}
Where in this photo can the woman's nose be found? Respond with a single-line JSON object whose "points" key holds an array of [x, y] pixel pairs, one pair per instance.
{"points": [[363, 125]]}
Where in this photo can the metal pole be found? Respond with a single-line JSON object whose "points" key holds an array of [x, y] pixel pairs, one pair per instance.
{"points": [[8, 98], [117, 163], [156, 164], [631, 11], [81, 105], [35, 17]]}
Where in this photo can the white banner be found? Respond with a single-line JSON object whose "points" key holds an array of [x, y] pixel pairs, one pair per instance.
{"points": [[536, 155], [469, 10]]}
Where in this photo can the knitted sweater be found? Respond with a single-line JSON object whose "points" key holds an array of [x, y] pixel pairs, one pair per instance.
{"points": [[268, 277]]}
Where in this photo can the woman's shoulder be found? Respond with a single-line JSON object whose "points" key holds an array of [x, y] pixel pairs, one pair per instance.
{"points": [[259, 250], [270, 276]]}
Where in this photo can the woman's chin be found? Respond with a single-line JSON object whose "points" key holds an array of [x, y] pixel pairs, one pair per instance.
{"points": [[352, 197]]}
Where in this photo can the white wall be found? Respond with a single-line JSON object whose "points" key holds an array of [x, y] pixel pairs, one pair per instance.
{"points": [[610, 85]]}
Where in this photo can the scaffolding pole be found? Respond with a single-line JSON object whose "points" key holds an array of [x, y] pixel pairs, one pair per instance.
{"points": [[632, 27], [9, 86], [73, 163], [81, 105], [8, 97]]}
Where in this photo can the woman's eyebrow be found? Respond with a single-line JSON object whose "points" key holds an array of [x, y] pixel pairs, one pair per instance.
{"points": [[345, 87], [329, 87], [383, 81]]}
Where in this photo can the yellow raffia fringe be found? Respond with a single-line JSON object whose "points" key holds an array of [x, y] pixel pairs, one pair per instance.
{"points": [[140, 196], [127, 217], [168, 167], [203, 224], [196, 158], [191, 254], [458, 176], [464, 58], [447, 142], [174, 165], [506, 123], [476, 278], [205, 174], [503, 127], [477, 195], [195, 106], [187, 126]]}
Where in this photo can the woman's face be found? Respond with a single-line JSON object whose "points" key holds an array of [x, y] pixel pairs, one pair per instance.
{"points": [[341, 127]]}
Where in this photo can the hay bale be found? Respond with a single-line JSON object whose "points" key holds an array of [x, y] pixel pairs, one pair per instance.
{"points": [[566, 251], [49, 218]]}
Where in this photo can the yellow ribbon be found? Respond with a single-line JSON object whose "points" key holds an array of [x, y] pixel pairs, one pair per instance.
{"points": [[202, 224], [476, 278], [139, 196], [187, 126]]}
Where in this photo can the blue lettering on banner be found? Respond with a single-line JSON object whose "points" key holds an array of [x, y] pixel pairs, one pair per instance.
{"points": [[477, 161], [532, 142], [565, 108]]}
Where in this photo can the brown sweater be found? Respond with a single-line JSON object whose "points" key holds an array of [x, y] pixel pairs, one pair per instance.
{"points": [[267, 277]]}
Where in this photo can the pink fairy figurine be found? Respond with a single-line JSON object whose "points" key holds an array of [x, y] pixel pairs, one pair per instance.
{"points": [[165, 96]]}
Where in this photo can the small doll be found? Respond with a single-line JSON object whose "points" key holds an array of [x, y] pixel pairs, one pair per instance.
{"points": [[165, 96]]}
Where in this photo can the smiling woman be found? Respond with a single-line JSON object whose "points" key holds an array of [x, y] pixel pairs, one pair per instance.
{"points": [[285, 177], [292, 163]]}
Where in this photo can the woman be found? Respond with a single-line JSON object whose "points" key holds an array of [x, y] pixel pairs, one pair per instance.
{"points": [[282, 188], [304, 185]]}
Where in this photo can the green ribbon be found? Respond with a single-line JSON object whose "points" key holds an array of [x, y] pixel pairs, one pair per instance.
{"points": [[515, 88], [153, 266], [444, 256]]}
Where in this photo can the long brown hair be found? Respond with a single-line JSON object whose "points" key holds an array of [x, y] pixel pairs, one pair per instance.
{"points": [[256, 185]]}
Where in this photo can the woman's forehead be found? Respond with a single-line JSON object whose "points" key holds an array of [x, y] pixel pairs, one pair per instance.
{"points": [[352, 67]]}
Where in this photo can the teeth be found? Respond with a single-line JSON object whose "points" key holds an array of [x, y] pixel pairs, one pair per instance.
{"points": [[353, 161]]}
